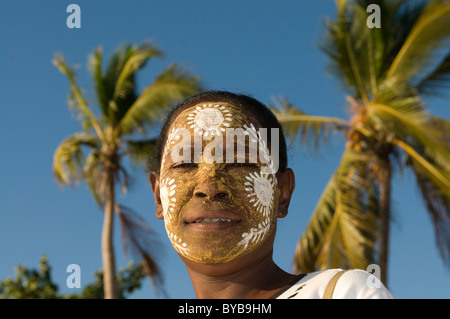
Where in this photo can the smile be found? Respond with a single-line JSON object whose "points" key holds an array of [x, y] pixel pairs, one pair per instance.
{"points": [[212, 216], [215, 220]]}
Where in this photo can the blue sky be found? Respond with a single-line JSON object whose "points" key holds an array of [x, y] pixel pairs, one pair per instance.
{"points": [[264, 48]]}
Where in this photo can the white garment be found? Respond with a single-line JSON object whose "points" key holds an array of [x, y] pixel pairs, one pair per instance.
{"points": [[353, 284]]}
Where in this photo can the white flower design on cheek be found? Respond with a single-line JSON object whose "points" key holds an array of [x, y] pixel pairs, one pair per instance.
{"points": [[167, 192], [209, 120], [260, 186], [168, 200]]}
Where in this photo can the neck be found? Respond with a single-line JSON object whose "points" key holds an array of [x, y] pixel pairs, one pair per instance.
{"points": [[260, 279]]}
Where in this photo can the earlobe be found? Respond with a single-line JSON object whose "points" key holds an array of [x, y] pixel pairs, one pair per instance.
{"points": [[286, 182], [154, 183]]}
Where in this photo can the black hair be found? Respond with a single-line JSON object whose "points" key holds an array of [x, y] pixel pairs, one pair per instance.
{"points": [[261, 112]]}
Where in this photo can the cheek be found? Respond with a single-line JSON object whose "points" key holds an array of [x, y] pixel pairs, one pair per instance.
{"points": [[260, 191], [174, 193], [168, 191]]}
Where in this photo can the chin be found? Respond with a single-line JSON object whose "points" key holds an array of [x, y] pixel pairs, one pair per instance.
{"points": [[237, 255], [209, 257]]}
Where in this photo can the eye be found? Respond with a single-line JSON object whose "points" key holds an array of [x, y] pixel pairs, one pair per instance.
{"points": [[236, 165], [185, 165]]}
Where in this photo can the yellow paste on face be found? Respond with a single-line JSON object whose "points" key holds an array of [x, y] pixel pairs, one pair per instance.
{"points": [[251, 188]]}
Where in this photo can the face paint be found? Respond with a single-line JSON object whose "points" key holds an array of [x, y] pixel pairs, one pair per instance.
{"points": [[215, 211], [208, 120]]}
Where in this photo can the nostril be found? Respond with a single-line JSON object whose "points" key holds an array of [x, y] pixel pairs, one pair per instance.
{"points": [[200, 194], [221, 196]]}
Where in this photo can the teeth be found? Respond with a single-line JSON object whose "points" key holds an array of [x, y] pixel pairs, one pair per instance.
{"points": [[213, 220]]}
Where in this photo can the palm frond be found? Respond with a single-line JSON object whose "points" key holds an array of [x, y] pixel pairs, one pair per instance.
{"points": [[116, 88], [408, 44], [77, 100], [436, 80], [312, 129], [440, 129], [95, 67], [434, 184], [438, 205], [141, 151], [428, 35], [94, 175], [171, 85], [114, 68], [139, 237], [136, 59], [412, 125], [124, 93], [398, 18], [68, 159], [342, 229], [358, 54], [343, 43], [439, 176], [342, 7]]}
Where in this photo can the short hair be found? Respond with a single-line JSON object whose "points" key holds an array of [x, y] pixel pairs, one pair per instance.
{"points": [[261, 112]]}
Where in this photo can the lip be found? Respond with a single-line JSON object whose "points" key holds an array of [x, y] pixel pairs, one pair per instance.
{"points": [[212, 214], [232, 218]]}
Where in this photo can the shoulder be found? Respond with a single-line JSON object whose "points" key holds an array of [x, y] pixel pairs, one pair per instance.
{"points": [[359, 284], [353, 284]]}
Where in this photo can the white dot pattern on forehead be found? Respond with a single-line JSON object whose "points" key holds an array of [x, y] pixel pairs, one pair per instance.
{"points": [[209, 120]]}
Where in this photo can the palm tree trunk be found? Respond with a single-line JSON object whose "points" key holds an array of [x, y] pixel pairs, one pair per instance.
{"points": [[385, 212], [109, 264]]}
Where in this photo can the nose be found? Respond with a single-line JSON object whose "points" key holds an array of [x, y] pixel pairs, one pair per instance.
{"points": [[213, 189]]}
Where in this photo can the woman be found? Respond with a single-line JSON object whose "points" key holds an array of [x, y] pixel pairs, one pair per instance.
{"points": [[220, 182]]}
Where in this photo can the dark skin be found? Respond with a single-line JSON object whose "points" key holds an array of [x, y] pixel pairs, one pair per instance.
{"points": [[251, 276]]}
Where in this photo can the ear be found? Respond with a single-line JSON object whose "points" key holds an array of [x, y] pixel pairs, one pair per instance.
{"points": [[154, 183], [286, 184]]}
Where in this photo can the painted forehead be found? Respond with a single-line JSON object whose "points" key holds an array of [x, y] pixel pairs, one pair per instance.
{"points": [[211, 118], [215, 127]]}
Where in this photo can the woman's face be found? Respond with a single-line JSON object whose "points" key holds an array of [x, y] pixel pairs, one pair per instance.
{"points": [[218, 198]]}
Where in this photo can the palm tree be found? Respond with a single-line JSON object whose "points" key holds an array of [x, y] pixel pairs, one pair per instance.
{"points": [[387, 72], [112, 132]]}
